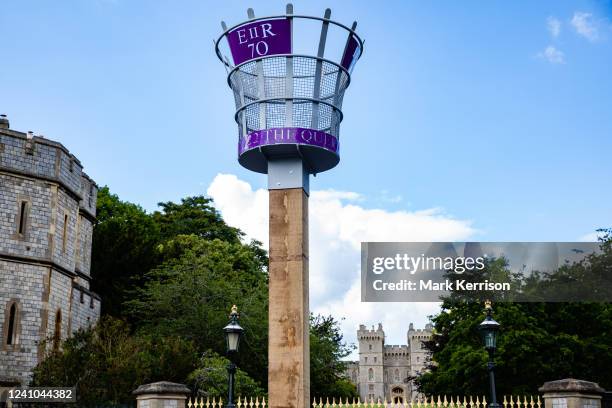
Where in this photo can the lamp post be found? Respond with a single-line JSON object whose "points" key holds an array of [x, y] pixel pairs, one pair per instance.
{"points": [[232, 332], [489, 328]]}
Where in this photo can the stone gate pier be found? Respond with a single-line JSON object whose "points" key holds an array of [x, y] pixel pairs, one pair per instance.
{"points": [[571, 393]]}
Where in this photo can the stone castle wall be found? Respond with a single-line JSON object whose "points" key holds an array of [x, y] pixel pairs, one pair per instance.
{"points": [[418, 355], [385, 371], [37, 193], [23, 283], [83, 248], [370, 365], [47, 213], [85, 308]]}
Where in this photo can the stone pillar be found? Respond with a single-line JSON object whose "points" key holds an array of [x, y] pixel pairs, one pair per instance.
{"points": [[288, 347], [571, 393], [161, 394]]}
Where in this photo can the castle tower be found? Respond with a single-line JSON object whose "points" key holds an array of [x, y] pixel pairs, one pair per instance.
{"points": [[47, 213], [371, 363], [397, 373], [418, 354], [387, 371]]}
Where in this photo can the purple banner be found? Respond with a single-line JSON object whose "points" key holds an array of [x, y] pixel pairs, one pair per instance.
{"points": [[292, 135], [351, 53], [264, 37]]}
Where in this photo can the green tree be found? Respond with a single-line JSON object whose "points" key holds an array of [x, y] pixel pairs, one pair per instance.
{"points": [[194, 216], [327, 349], [538, 342], [190, 295], [128, 242], [105, 363], [123, 250], [175, 273], [210, 379]]}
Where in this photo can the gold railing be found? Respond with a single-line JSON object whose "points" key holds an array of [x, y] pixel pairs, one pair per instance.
{"points": [[242, 402], [431, 402]]}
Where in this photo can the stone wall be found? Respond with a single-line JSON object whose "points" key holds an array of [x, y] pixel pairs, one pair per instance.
{"points": [[41, 158], [418, 354], [383, 370], [38, 195], [397, 370], [45, 260], [24, 284], [371, 370], [83, 249], [59, 302], [89, 192], [66, 209], [85, 308], [13, 155]]}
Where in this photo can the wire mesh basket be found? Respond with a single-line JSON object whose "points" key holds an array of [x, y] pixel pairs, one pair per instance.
{"points": [[289, 104]]}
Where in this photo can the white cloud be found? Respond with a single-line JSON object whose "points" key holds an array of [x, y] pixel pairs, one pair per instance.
{"points": [[387, 197], [338, 225], [585, 25], [552, 55], [554, 26], [338, 195], [591, 237], [241, 206]]}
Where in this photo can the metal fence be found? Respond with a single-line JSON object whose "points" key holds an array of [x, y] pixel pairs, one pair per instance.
{"points": [[62, 405], [512, 401]]}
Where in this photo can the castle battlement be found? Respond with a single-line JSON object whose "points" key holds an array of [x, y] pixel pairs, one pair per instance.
{"points": [[35, 156], [374, 333], [419, 331], [47, 214], [383, 370], [427, 330], [395, 348]]}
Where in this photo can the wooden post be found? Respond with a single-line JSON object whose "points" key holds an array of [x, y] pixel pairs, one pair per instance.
{"points": [[288, 344]]}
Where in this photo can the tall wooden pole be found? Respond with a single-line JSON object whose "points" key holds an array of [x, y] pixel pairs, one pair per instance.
{"points": [[288, 344], [271, 115]]}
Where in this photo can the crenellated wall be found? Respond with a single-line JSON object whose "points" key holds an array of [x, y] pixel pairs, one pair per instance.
{"points": [[47, 213], [50, 179], [85, 308], [41, 158], [386, 371]]}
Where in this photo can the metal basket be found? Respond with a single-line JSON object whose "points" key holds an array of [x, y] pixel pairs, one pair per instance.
{"points": [[290, 105]]}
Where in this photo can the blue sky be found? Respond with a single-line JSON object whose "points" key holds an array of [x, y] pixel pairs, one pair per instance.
{"points": [[499, 113]]}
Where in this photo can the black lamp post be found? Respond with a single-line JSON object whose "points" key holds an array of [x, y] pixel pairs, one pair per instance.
{"points": [[233, 332], [489, 328]]}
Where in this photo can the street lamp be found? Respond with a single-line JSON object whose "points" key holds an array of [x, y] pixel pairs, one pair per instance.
{"points": [[489, 328], [232, 332]]}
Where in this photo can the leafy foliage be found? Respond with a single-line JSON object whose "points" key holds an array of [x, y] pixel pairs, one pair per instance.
{"points": [[197, 216], [210, 379], [173, 275], [538, 342], [191, 295], [106, 363], [327, 349], [123, 250], [126, 242]]}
